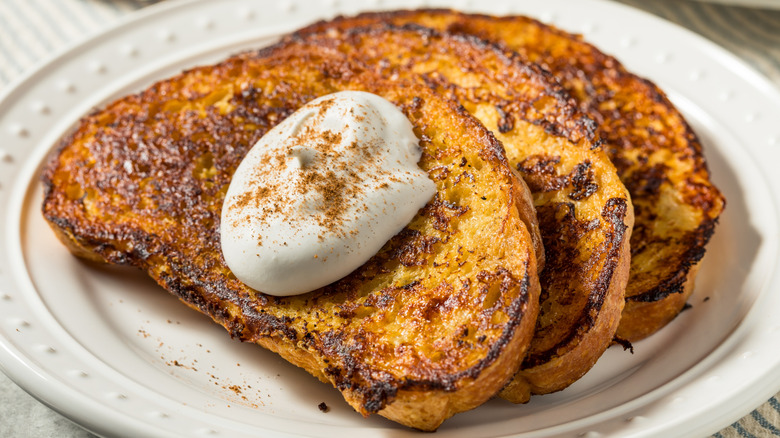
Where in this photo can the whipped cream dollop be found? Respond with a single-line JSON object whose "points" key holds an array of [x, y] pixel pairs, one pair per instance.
{"points": [[321, 193]]}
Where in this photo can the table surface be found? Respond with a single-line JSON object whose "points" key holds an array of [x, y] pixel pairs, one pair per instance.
{"points": [[32, 31]]}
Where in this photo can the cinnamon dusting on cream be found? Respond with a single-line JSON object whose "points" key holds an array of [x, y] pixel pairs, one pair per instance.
{"points": [[339, 175]]}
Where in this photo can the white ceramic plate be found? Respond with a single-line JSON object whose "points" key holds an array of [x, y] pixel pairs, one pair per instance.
{"points": [[112, 351]]}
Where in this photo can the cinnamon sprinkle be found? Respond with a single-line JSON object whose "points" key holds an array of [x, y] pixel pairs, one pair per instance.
{"points": [[333, 189]]}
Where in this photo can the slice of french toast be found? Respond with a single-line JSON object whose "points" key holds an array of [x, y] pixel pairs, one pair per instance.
{"points": [[435, 323], [584, 210], [657, 155]]}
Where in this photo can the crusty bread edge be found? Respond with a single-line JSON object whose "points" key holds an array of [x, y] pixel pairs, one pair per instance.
{"points": [[562, 371], [643, 318], [527, 212]]}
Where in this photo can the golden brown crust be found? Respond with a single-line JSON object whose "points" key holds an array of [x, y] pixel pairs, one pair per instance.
{"points": [[434, 324], [555, 373], [647, 317], [585, 215], [658, 156]]}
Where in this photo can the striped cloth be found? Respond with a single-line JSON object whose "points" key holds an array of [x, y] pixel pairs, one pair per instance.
{"points": [[752, 34], [31, 31]]}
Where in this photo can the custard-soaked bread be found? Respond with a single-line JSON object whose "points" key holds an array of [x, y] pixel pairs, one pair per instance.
{"points": [[434, 324], [657, 155], [584, 210]]}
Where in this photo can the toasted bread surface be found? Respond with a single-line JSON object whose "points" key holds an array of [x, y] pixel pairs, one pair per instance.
{"points": [[657, 155], [434, 324], [584, 210]]}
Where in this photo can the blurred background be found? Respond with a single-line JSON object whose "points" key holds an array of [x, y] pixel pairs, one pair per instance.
{"points": [[33, 30]]}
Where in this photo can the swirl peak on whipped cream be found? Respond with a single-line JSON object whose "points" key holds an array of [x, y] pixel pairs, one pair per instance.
{"points": [[321, 193]]}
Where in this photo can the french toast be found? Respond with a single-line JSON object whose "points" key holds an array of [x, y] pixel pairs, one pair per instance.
{"points": [[435, 323], [584, 210], [657, 154]]}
